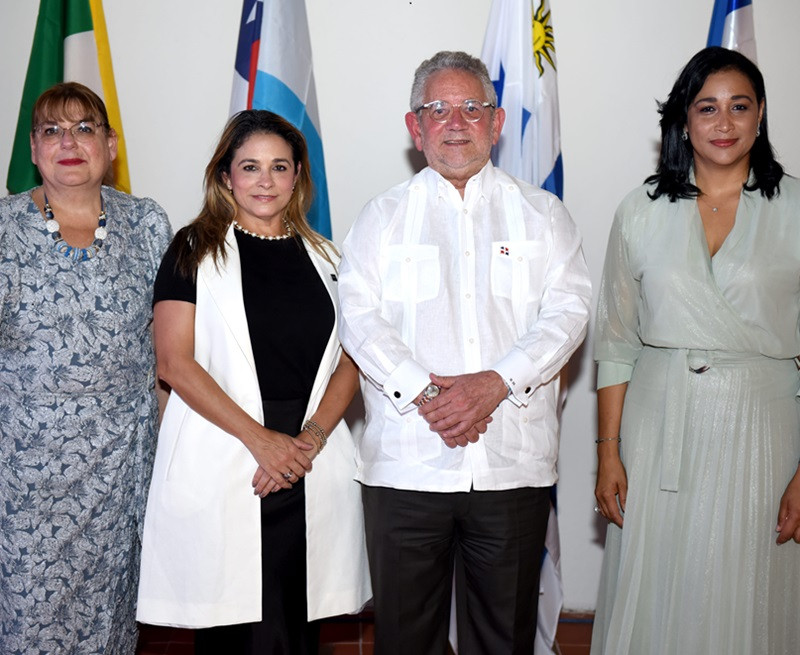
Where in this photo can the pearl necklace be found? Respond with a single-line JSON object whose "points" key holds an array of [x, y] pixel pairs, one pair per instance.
{"points": [[62, 247], [265, 237]]}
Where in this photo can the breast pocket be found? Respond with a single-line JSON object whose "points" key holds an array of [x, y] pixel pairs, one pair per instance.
{"points": [[517, 270], [411, 273]]}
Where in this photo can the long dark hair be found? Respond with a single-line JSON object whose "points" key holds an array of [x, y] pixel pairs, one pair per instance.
{"points": [[675, 161], [205, 235]]}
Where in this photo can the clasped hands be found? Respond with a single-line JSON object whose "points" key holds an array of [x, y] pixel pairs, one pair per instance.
{"points": [[282, 460], [462, 410], [459, 414]]}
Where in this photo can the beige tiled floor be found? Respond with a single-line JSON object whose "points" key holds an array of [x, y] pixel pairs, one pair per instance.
{"points": [[354, 636]]}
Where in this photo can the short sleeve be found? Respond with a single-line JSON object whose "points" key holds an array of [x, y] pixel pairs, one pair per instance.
{"points": [[170, 283]]}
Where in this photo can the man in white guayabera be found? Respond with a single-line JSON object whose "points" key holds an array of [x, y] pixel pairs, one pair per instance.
{"points": [[464, 292]]}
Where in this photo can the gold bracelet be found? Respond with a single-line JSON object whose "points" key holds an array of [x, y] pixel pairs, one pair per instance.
{"points": [[314, 438], [314, 429], [608, 439]]}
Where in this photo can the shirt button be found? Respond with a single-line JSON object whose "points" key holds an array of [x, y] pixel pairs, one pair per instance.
{"points": [[525, 420], [408, 259], [465, 211], [519, 259], [466, 254], [472, 340], [468, 296], [527, 389], [396, 394]]}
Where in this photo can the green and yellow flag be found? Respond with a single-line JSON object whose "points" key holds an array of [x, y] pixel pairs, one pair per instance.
{"points": [[70, 44]]}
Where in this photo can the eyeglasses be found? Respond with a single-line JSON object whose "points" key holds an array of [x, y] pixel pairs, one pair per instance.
{"points": [[82, 132], [441, 110]]}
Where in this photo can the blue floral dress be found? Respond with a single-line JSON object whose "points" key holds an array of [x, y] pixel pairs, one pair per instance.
{"points": [[77, 428]]}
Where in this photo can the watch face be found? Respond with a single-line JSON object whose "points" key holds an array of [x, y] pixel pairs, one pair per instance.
{"points": [[431, 391]]}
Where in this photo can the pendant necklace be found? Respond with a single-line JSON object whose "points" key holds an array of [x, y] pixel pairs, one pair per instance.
{"points": [[708, 204]]}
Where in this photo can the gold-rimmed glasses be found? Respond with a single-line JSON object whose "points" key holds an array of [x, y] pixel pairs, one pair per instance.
{"points": [[82, 132]]}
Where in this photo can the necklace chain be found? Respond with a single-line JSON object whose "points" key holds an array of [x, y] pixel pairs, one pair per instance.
{"points": [[72, 252], [714, 208], [265, 237]]}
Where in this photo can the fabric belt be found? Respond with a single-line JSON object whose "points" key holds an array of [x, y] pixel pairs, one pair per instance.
{"points": [[683, 363]]}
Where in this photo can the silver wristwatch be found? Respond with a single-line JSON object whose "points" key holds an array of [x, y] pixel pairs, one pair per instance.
{"points": [[429, 393]]}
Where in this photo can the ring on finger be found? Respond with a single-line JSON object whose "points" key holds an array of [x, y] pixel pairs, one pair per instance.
{"points": [[288, 476]]}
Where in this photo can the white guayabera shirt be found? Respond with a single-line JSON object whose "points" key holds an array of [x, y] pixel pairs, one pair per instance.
{"points": [[433, 283]]}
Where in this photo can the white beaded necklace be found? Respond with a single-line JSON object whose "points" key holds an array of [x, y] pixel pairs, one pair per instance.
{"points": [[265, 237], [73, 252]]}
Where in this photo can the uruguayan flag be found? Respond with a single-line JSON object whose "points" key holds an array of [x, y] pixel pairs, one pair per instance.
{"points": [[732, 27], [274, 71], [519, 51]]}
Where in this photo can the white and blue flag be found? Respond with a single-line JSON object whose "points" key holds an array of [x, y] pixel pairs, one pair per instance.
{"points": [[519, 51], [274, 71], [732, 27]]}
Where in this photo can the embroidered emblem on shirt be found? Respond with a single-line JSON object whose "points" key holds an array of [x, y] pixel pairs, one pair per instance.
{"points": [[504, 250]]}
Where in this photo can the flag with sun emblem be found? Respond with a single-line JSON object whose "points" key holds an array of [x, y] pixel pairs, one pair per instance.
{"points": [[732, 27], [273, 71], [519, 51]]}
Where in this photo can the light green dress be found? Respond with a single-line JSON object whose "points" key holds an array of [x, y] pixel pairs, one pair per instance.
{"points": [[710, 430]]}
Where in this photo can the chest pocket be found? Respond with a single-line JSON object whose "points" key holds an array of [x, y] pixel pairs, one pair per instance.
{"points": [[411, 272], [517, 270]]}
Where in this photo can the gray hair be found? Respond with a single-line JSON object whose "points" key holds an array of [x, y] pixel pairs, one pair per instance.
{"points": [[450, 60]]}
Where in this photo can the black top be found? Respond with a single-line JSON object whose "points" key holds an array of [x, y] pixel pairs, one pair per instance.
{"points": [[289, 311]]}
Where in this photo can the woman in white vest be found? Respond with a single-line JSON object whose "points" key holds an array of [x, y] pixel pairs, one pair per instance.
{"points": [[244, 537]]}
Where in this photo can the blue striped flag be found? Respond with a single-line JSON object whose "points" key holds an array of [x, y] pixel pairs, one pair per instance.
{"points": [[274, 71], [519, 51], [732, 27]]}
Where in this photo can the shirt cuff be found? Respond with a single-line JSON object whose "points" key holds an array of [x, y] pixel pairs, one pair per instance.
{"points": [[611, 373], [406, 383], [515, 369]]}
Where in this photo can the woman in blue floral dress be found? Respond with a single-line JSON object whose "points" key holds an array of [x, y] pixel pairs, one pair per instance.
{"points": [[77, 400]]}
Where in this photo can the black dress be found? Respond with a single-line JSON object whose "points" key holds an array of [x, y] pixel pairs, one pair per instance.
{"points": [[289, 317]]}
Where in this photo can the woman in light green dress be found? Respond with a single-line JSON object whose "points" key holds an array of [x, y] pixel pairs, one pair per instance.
{"points": [[697, 334]]}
